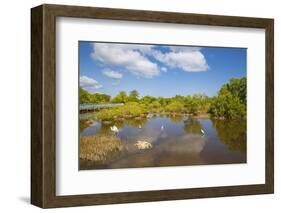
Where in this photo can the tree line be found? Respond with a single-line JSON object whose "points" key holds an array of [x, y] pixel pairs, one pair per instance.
{"points": [[230, 102]]}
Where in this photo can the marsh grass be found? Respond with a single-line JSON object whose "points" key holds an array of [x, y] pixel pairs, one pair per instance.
{"points": [[100, 148]]}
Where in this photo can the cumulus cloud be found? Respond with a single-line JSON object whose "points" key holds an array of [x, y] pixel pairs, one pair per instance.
{"points": [[86, 81], [147, 61], [112, 74], [89, 84], [131, 57], [189, 59], [184, 48]]}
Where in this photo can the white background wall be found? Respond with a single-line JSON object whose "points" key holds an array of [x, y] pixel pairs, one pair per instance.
{"points": [[15, 104]]}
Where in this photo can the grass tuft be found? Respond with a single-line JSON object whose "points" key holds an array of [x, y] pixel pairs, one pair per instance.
{"points": [[100, 148]]}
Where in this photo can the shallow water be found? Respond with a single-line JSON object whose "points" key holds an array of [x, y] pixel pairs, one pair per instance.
{"points": [[176, 141]]}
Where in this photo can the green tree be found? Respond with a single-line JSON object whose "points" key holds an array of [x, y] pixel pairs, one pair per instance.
{"points": [[84, 96], [237, 87], [120, 98], [147, 100], [134, 96], [99, 98], [96, 98], [178, 98], [175, 107], [231, 100], [163, 101], [192, 105], [155, 106], [196, 103]]}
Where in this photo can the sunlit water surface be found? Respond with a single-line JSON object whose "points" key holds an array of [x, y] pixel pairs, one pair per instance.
{"points": [[176, 141]]}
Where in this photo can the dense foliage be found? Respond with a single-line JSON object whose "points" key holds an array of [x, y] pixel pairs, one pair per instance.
{"points": [[175, 107], [122, 97], [96, 98], [231, 100], [230, 103], [130, 110]]}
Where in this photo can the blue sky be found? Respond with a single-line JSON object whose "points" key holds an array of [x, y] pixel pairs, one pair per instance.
{"points": [[158, 70]]}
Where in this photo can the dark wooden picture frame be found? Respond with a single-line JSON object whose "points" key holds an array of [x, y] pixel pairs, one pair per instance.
{"points": [[43, 105]]}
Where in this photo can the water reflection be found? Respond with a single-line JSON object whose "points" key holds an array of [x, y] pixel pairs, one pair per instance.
{"points": [[83, 125], [175, 118], [232, 133], [137, 123], [192, 126], [176, 141]]}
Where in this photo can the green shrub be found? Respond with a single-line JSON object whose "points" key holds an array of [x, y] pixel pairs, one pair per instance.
{"points": [[130, 109], [227, 106], [175, 107]]}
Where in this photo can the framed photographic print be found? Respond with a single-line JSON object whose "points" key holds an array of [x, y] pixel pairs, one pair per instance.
{"points": [[136, 106]]}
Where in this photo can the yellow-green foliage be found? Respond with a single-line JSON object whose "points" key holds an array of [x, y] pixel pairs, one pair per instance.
{"points": [[155, 107], [88, 98], [100, 148], [231, 101], [131, 109], [175, 107]]}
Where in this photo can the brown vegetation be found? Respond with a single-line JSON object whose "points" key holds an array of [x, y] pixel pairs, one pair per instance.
{"points": [[100, 148]]}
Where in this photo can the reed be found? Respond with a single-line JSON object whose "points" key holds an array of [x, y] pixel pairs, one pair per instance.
{"points": [[100, 148]]}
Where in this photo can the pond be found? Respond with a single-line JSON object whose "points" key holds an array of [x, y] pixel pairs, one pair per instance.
{"points": [[175, 140]]}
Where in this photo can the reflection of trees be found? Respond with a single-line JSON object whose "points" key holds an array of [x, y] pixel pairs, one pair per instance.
{"points": [[119, 124], [192, 126], [232, 133], [137, 122], [83, 124], [175, 118], [105, 128]]}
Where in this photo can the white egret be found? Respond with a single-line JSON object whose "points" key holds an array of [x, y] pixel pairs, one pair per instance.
{"points": [[202, 131], [162, 128], [114, 129]]}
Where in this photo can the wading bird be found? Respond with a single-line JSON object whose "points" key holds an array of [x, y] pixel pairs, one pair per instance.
{"points": [[162, 128], [114, 129], [202, 131]]}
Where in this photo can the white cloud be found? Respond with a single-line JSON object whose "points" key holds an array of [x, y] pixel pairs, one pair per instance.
{"points": [[112, 74], [98, 86], [89, 84], [164, 69], [137, 59], [187, 58], [86, 81], [130, 57], [184, 48]]}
